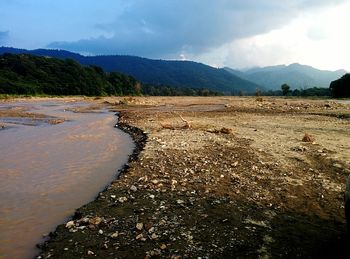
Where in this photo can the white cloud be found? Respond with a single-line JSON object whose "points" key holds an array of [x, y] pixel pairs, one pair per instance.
{"points": [[318, 39]]}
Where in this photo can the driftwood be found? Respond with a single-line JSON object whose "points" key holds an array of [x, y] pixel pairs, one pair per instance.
{"points": [[169, 126], [222, 130]]}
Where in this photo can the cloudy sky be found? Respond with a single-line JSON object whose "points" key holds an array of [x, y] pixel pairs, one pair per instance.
{"points": [[234, 33]]}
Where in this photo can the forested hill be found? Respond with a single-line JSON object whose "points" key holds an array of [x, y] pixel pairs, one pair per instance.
{"points": [[158, 72], [295, 75], [31, 75]]}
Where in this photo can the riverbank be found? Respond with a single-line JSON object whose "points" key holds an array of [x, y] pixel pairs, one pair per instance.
{"points": [[220, 177]]}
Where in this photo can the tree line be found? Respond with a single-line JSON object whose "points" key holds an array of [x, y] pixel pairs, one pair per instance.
{"points": [[26, 74], [33, 75], [339, 88]]}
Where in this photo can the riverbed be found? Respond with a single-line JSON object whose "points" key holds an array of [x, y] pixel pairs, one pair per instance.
{"points": [[47, 170]]}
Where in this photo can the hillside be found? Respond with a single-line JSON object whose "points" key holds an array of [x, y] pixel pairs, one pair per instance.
{"points": [[28, 74], [295, 75], [158, 72]]}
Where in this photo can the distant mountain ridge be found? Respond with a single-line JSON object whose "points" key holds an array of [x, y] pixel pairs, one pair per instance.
{"points": [[157, 72], [295, 75]]}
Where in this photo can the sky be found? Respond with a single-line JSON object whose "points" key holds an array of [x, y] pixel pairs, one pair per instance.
{"points": [[234, 33]]}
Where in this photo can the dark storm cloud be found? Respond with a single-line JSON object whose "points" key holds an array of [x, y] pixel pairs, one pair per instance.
{"points": [[158, 28]]}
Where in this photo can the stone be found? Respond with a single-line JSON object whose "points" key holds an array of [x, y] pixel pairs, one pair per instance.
{"points": [[133, 188], [90, 252], [122, 199], [180, 202], [115, 234], [70, 224], [336, 165], [100, 231], [140, 237], [95, 221], [139, 226]]}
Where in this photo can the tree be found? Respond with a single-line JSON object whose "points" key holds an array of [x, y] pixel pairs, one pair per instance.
{"points": [[341, 87], [285, 89]]}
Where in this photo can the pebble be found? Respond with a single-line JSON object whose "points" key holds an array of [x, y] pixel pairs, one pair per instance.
{"points": [[100, 231], [180, 202], [90, 252], [122, 199], [95, 221], [140, 237], [70, 224], [139, 226], [115, 234], [133, 188], [336, 165]]}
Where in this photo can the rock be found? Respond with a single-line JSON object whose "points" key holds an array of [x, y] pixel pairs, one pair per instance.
{"points": [[154, 236], [155, 181], [163, 246], [115, 234], [95, 221], [151, 230], [100, 231], [133, 188], [308, 138], [122, 199], [140, 237], [180, 202], [70, 224], [90, 252], [226, 130], [113, 196], [152, 196], [336, 165], [139, 226]]}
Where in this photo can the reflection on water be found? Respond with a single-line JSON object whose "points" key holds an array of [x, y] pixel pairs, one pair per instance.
{"points": [[47, 171]]}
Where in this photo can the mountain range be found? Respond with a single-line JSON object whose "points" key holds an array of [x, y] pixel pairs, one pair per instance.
{"points": [[197, 75], [295, 75], [156, 72]]}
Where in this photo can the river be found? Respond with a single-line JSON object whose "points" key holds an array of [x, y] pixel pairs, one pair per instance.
{"points": [[47, 171]]}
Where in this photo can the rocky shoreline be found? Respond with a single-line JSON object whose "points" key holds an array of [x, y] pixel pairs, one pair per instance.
{"points": [[204, 182]]}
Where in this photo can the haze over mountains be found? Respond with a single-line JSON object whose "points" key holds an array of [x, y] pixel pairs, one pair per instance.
{"points": [[296, 75], [198, 75]]}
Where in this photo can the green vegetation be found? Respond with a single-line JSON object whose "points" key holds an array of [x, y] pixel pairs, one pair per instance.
{"points": [[162, 90], [179, 74], [24, 74], [285, 89], [314, 91], [341, 87], [32, 75]]}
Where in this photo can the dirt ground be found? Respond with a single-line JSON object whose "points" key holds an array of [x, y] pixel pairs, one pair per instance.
{"points": [[220, 177]]}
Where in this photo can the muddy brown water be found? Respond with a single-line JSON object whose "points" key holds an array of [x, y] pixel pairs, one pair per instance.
{"points": [[47, 171]]}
